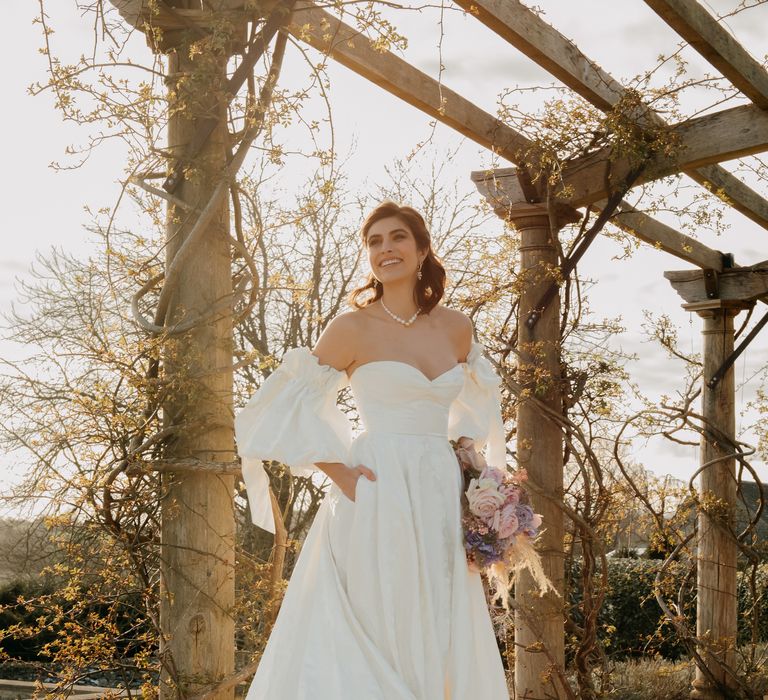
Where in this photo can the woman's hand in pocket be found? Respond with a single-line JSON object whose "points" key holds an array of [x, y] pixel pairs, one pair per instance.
{"points": [[346, 480]]}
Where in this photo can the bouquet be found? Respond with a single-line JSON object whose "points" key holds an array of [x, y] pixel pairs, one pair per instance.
{"points": [[498, 522]]}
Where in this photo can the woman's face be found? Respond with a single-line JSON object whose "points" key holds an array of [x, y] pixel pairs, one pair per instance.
{"points": [[392, 239]]}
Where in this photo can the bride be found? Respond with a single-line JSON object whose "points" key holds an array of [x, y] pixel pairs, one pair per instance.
{"points": [[381, 604]]}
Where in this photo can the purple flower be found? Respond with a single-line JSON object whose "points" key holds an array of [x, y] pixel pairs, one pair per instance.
{"points": [[524, 516]]}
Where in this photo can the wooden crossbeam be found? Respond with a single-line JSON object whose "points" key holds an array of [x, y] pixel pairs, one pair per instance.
{"points": [[542, 43], [162, 14], [732, 191], [705, 34], [731, 133], [352, 49], [743, 284], [500, 188], [664, 237], [332, 37], [724, 135]]}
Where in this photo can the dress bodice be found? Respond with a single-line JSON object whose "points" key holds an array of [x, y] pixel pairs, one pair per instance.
{"points": [[394, 396], [294, 418]]}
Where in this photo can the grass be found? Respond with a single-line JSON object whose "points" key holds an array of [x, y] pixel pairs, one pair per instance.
{"points": [[649, 679], [656, 678]]}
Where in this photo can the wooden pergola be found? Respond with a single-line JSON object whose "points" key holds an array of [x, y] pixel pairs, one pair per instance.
{"points": [[716, 288]]}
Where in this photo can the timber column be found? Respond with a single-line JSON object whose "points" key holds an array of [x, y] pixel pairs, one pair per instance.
{"points": [[718, 295], [539, 621], [716, 602], [197, 584]]}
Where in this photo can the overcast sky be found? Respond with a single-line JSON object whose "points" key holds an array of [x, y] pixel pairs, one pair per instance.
{"points": [[44, 208]]}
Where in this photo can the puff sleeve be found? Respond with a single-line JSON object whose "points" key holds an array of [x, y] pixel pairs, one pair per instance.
{"points": [[476, 411], [292, 418]]}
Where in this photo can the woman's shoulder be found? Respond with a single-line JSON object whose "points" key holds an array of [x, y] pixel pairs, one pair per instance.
{"points": [[459, 327], [455, 318], [336, 346], [346, 324]]}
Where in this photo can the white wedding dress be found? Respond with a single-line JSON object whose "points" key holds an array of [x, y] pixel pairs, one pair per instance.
{"points": [[381, 604]]}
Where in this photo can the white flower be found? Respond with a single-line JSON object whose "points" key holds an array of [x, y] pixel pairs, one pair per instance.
{"points": [[484, 498]]}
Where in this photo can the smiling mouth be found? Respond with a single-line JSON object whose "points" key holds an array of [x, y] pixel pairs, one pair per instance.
{"points": [[390, 264]]}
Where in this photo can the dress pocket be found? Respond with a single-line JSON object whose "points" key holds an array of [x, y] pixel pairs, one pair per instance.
{"points": [[360, 489], [357, 487]]}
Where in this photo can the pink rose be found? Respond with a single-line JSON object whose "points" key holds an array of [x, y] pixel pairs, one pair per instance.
{"points": [[511, 494], [484, 498], [508, 522]]}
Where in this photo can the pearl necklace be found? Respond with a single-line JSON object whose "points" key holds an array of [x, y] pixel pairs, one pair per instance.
{"points": [[397, 318]]}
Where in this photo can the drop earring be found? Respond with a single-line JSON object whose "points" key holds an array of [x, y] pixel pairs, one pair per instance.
{"points": [[418, 274]]}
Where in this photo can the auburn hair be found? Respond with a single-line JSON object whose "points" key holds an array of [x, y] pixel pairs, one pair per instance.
{"points": [[430, 288]]}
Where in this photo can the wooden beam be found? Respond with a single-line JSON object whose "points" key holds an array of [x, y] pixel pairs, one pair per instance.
{"points": [[665, 238], [742, 284], [352, 49], [557, 54], [330, 36], [716, 556], [197, 570], [141, 13], [542, 43], [732, 133], [501, 192], [705, 34], [732, 191]]}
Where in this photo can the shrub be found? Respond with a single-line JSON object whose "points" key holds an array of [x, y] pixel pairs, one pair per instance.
{"points": [[23, 648], [749, 609], [631, 623]]}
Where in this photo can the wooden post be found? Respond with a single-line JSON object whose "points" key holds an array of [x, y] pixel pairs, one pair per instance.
{"points": [[197, 541], [539, 622], [716, 609], [717, 297]]}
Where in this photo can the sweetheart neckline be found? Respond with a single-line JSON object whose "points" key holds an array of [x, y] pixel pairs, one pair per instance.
{"points": [[407, 364]]}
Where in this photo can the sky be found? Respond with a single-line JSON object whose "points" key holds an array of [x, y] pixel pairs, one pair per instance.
{"points": [[45, 208]]}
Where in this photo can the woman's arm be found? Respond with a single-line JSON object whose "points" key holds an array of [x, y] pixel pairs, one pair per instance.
{"points": [[336, 347]]}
